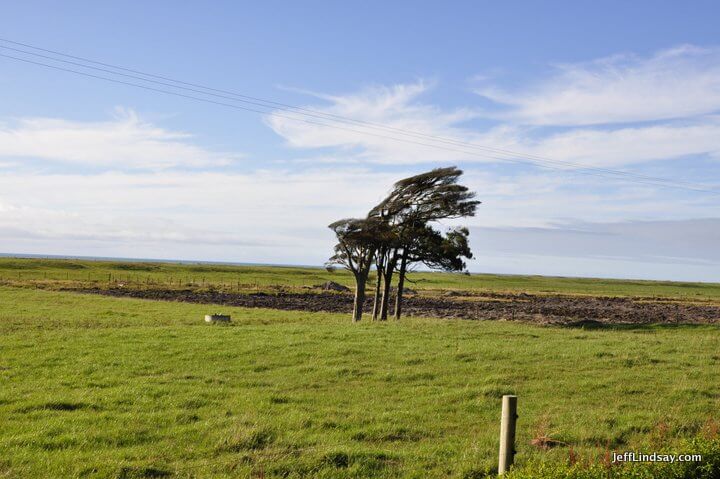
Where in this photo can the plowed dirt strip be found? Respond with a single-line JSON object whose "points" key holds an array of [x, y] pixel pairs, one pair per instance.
{"points": [[523, 307]]}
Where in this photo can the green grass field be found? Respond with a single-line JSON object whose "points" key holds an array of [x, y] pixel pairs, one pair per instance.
{"points": [[249, 277], [93, 386]]}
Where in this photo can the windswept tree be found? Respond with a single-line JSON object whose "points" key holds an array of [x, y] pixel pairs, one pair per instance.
{"points": [[427, 197], [355, 250], [413, 203], [398, 233]]}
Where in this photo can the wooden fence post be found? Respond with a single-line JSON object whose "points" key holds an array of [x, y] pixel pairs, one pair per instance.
{"points": [[507, 433]]}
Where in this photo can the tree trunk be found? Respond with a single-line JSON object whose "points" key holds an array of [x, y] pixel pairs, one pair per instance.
{"points": [[401, 285], [387, 281], [378, 283], [359, 302]]}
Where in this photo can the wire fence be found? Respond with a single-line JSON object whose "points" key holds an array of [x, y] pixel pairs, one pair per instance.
{"points": [[120, 280], [157, 280]]}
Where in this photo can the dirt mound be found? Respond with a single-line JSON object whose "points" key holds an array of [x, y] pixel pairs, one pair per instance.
{"points": [[581, 311], [455, 294], [332, 286], [405, 290]]}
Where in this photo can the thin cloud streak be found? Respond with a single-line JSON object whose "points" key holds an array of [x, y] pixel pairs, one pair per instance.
{"points": [[675, 83]]}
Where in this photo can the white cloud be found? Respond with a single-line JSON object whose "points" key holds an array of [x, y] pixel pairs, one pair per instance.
{"points": [[271, 216], [394, 108], [621, 146], [266, 216], [400, 109], [125, 142], [675, 83]]}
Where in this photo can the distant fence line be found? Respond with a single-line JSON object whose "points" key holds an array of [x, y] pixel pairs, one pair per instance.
{"points": [[137, 279]]}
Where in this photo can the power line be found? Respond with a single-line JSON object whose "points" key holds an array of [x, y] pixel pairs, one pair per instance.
{"points": [[650, 181], [145, 87], [304, 112], [324, 115]]}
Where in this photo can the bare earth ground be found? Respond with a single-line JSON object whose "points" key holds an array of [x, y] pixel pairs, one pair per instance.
{"points": [[555, 309]]}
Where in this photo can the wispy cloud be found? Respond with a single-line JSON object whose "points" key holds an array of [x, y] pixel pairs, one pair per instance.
{"points": [[441, 136], [675, 83], [629, 145], [124, 142], [394, 108]]}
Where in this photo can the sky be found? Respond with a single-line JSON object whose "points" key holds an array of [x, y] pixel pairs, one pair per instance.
{"points": [[91, 167]]}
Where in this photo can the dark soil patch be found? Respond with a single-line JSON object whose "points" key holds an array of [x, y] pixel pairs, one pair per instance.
{"points": [[568, 310]]}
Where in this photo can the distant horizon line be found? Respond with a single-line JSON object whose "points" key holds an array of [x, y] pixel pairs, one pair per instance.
{"points": [[285, 265]]}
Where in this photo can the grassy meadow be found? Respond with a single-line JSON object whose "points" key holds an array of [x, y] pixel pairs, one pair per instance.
{"points": [[94, 386], [147, 274]]}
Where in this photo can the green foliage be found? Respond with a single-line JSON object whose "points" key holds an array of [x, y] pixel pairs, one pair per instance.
{"points": [[358, 239], [429, 247], [430, 196]]}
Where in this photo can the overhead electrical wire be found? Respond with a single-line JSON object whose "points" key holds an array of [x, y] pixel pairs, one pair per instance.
{"points": [[271, 107], [313, 113], [323, 115]]}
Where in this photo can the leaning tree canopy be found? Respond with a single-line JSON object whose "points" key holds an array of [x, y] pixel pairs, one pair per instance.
{"points": [[428, 197]]}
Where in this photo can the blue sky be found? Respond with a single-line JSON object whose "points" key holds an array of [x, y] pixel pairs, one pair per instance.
{"points": [[89, 167]]}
